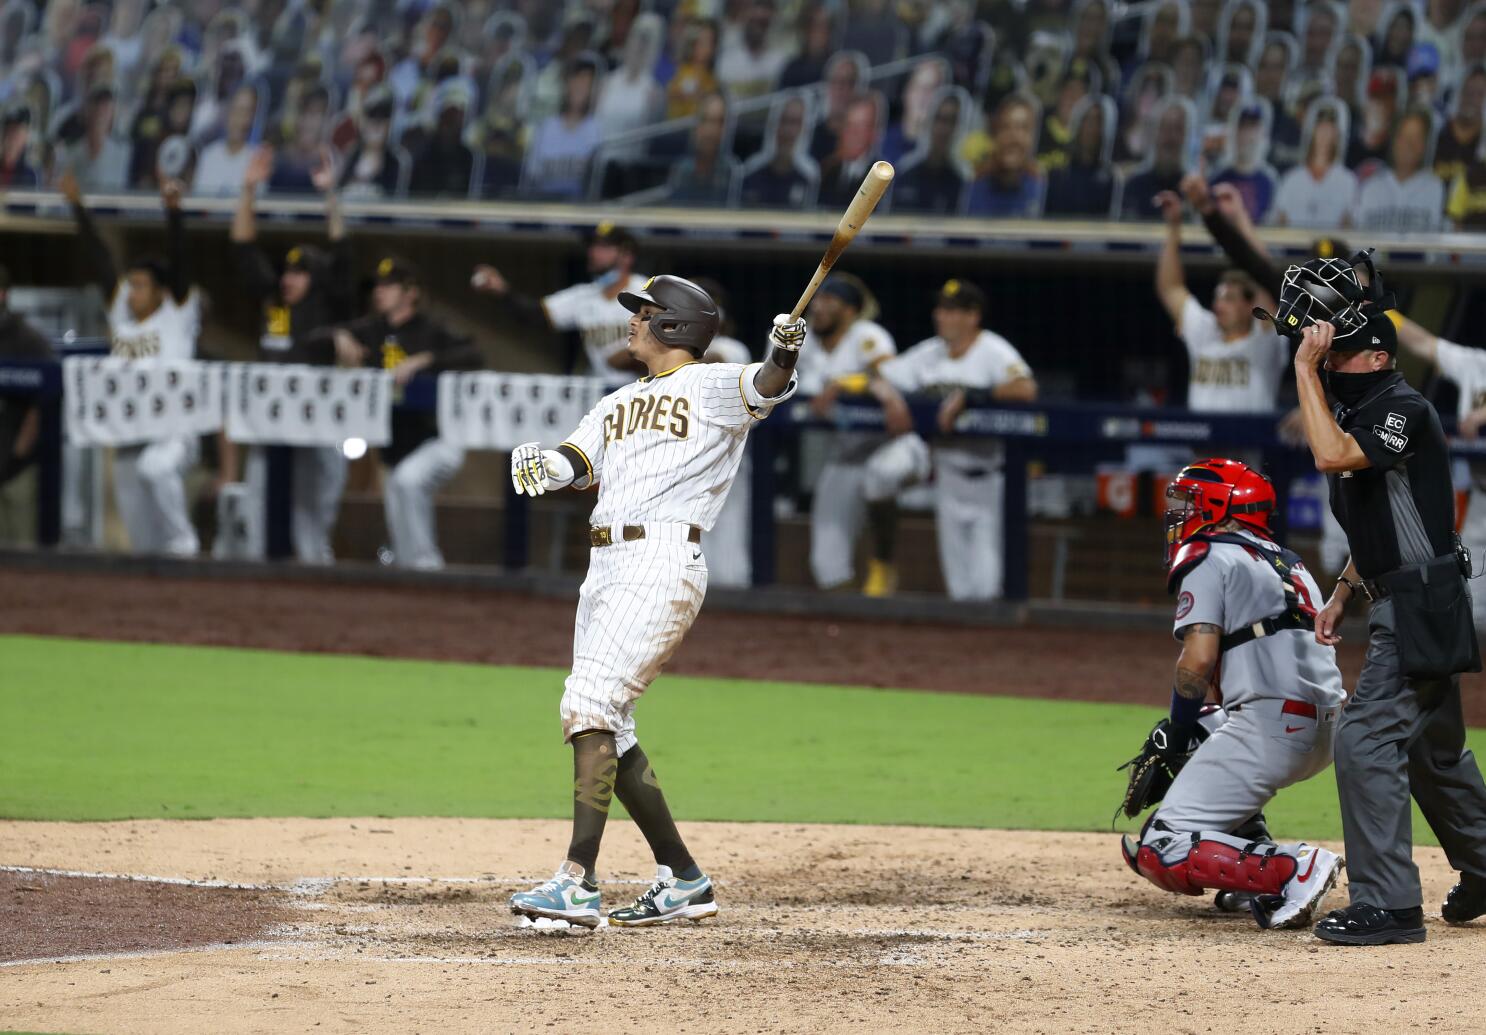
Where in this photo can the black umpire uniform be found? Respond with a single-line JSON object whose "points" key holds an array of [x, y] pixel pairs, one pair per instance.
{"points": [[1401, 731]]}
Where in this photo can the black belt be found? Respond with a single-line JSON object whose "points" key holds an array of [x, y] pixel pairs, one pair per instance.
{"points": [[604, 535], [1372, 589]]}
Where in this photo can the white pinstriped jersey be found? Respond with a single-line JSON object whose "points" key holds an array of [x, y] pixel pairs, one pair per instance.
{"points": [[169, 332], [600, 321], [666, 448]]}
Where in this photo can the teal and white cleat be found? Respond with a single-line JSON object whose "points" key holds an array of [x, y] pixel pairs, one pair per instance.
{"points": [[569, 896], [669, 898]]}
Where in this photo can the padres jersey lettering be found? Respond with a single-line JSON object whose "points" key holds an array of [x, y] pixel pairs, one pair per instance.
{"points": [[170, 332], [277, 329], [392, 353], [666, 448], [601, 322], [1224, 373]]}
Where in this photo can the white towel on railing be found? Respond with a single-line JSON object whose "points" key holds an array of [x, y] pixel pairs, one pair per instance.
{"points": [[112, 401], [292, 405], [493, 410]]}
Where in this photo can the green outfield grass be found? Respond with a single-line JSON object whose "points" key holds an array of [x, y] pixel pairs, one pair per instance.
{"points": [[94, 730]]}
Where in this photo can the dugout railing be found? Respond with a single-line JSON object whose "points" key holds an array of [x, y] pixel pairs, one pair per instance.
{"points": [[1059, 436]]}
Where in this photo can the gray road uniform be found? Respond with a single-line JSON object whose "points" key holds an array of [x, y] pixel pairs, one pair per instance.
{"points": [[1281, 692]]}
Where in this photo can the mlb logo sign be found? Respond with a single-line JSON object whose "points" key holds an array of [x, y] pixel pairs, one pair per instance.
{"points": [[1394, 423]]}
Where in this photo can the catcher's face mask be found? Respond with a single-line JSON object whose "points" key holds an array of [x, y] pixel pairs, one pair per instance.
{"points": [[1320, 289]]}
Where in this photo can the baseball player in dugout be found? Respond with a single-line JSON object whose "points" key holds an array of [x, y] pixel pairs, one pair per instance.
{"points": [[844, 348], [152, 312], [1236, 360], [300, 308], [1245, 609], [963, 364], [593, 309], [663, 452], [397, 336], [1384, 453]]}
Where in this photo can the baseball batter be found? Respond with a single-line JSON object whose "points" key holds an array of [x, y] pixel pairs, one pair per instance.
{"points": [[1248, 603], [845, 348], [153, 312], [593, 310], [663, 452], [962, 363]]}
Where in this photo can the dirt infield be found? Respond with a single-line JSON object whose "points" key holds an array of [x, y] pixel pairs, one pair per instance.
{"points": [[45, 915], [512, 629], [400, 925], [822, 929]]}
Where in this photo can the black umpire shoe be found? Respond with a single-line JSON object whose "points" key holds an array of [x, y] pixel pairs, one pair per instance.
{"points": [[1466, 901], [1362, 924]]}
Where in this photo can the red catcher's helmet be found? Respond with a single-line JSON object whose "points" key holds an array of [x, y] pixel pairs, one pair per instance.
{"points": [[1211, 491]]}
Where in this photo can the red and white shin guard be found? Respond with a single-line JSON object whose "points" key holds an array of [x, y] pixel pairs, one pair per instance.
{"points": [[1188, 864]]}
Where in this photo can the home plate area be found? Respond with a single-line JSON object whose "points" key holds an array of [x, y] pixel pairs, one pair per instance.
{"points": [[404, 925]]}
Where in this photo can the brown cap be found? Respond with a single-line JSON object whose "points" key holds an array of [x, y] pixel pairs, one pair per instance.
{"points": [[960, 294], [611, 233], [393, 270]]}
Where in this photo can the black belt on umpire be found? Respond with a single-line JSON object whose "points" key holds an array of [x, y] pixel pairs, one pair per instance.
{"points": [[603, 535]]}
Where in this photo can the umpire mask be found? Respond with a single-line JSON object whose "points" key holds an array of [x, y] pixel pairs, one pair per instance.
{"points": [[1317, 290]]}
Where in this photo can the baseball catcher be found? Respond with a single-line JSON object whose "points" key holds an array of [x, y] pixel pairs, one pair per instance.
{"points": [[1245, 601]]}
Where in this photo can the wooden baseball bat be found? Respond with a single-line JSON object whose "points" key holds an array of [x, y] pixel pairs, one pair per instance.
{"points": [[868, 195]]}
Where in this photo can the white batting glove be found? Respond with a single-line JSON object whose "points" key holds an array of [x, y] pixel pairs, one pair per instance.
{"points": [[529, 469], [787, 334]]}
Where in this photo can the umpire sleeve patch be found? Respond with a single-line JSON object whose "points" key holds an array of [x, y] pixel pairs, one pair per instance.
{"points": [[1391, 432]]}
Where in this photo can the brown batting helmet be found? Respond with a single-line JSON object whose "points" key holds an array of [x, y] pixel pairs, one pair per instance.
{"points": [[689, 318]]}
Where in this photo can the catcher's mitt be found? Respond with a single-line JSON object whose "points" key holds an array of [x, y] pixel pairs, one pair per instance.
{"points": [[1153, 770]]}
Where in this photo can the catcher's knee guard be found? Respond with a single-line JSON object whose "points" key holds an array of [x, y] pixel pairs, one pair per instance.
{"points": [[1146, 861], [1188, 864], [1223, 867], [1212, 865]]}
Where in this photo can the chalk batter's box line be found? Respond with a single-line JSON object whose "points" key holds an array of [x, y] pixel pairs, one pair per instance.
{"points": [[302, 886]]}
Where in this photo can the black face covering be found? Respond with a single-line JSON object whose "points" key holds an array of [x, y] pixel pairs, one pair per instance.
{"points": [[1351, 389]]}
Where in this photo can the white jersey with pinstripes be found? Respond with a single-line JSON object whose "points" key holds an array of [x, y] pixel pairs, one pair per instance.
{"points": [[600, 321], [666, 448]]}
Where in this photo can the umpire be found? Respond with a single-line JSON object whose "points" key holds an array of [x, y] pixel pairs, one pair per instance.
{"points": [[1383, 451]]}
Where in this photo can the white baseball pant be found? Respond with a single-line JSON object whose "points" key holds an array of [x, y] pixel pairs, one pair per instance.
{"points": [[968, 520], [150, 491], [318, 479], [842, 493], [635, 607], [408, 502]]}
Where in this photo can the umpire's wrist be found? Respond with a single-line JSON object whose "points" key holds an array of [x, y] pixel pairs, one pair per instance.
{"points": [[1345, 590]]}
